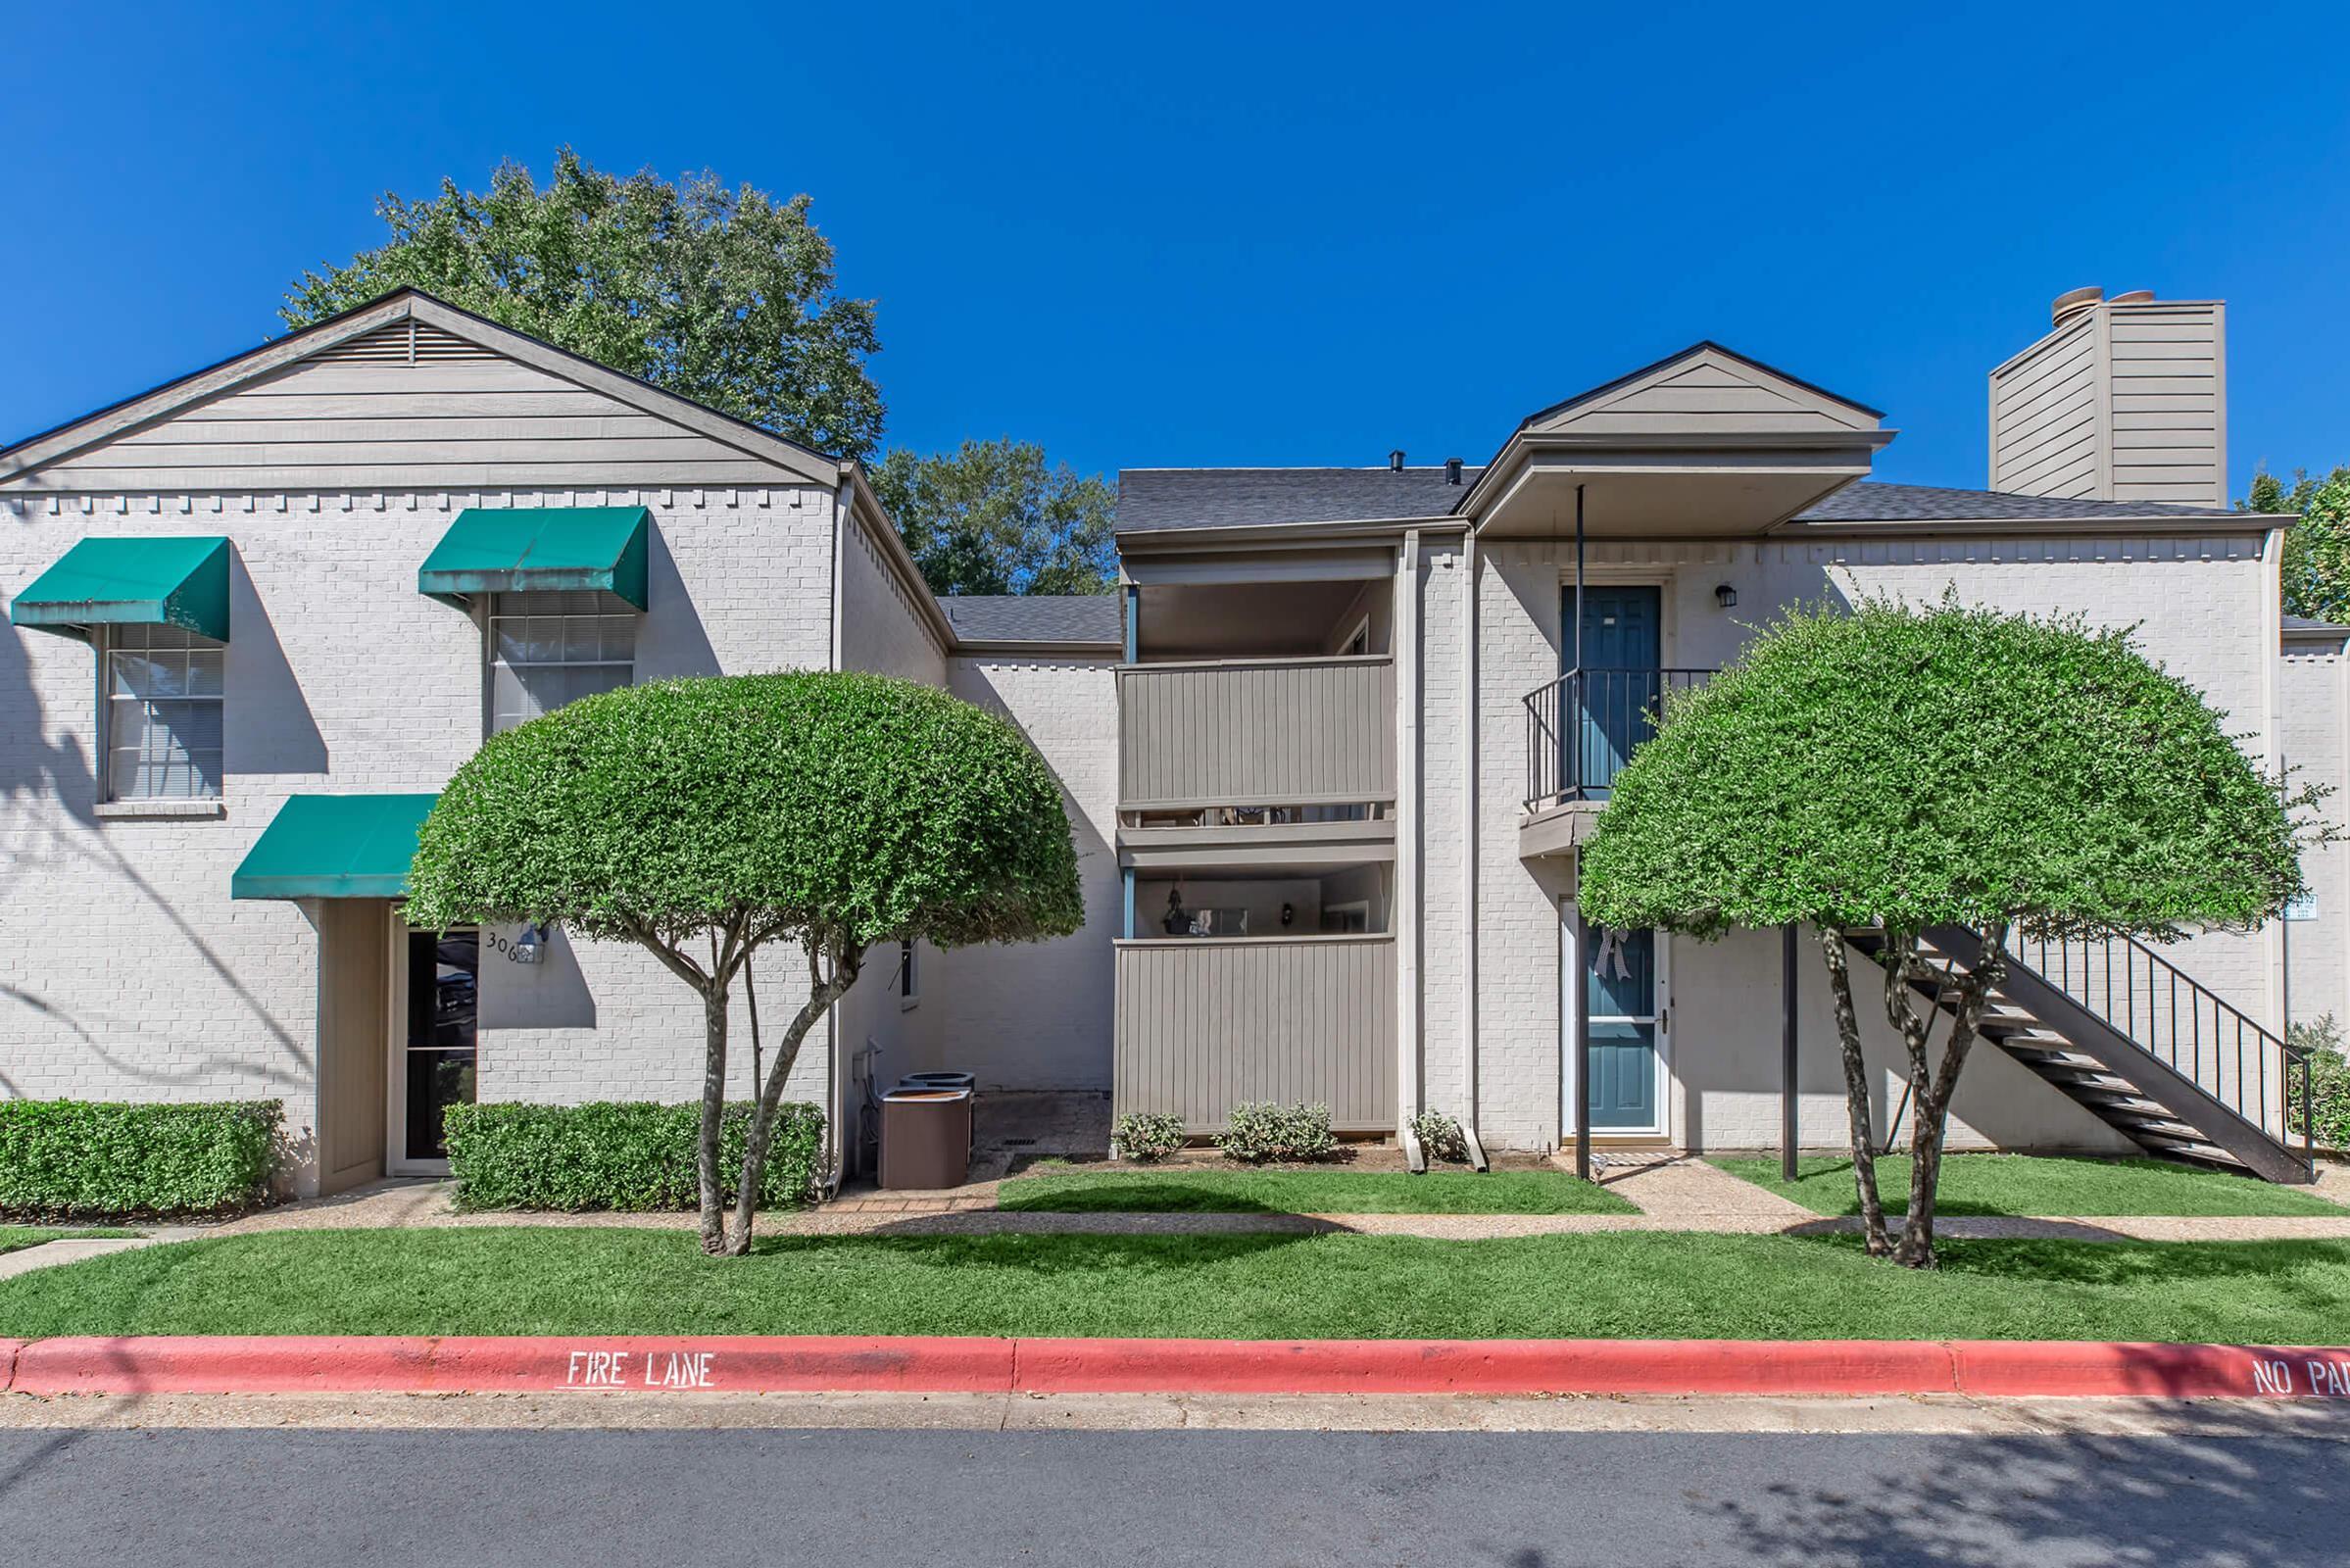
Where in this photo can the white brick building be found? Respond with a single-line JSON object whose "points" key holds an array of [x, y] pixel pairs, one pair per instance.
{"points": [[1327, 851]]}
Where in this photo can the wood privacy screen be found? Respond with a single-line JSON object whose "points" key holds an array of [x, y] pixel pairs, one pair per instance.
{"points": [[1204, 1024], [1256, 732]]}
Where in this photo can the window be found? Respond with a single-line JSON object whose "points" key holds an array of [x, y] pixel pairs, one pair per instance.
{"points": [[909, 976], [164, 689], [549, 649]]}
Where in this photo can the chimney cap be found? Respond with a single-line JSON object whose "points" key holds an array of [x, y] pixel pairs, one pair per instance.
{"points": [[1453, 471], [2136, 296], [2073, 302], [1394, 461]]}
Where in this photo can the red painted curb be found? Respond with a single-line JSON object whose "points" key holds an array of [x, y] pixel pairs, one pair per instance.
{"points": [[1998, 1369], [970, 1365], [1483, 1366], [224, 1364], [8, 1362], [750, 1364]]}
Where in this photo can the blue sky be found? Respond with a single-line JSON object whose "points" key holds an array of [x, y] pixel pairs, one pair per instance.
{"points": [[1275, 234]]}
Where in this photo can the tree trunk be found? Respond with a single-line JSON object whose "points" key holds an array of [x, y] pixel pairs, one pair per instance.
{"points": [[714, 1114], [1931, 1118], [823, 990], [1856, 1090]]}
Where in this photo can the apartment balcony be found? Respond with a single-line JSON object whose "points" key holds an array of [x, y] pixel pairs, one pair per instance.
{"points": [[1580, 730], [1240, 738], [1202, 1024]]}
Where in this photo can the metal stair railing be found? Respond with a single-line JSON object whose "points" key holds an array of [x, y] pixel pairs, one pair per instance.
{"points": [[2248, 1069]]}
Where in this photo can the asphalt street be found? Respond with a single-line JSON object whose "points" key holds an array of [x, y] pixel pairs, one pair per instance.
{"points": [[435, 1499]]}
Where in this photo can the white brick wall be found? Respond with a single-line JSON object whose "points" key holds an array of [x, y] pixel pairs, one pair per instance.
{"points": [[2316, 726], [1038, 1015], [1444, 736], [129, 974], [2203, 607]]}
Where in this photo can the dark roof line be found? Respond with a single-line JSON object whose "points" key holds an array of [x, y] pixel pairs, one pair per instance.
{"points": [[1092, 620]]}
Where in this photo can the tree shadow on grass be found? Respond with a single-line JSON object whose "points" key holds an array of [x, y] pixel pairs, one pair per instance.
{"points": [[1139, 1194], [1053, 1253]]}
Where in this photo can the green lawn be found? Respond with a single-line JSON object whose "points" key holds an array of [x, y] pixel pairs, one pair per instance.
{"points": [[582, 1281], [2038, 1184], [16, 1238], [1309, 1191]]}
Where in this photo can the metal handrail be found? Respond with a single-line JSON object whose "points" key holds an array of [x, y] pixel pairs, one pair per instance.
{"points": [[2182, 1022], [1582, 727]]}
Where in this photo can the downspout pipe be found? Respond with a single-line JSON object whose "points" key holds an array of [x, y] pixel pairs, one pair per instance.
{"points": [[1408, 881], [836, 1160], [1576, 985], [1470, 565]]}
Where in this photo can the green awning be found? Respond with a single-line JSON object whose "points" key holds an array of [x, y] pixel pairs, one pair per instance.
{"points": [[334, 846], [132, 582], [493, 550]]}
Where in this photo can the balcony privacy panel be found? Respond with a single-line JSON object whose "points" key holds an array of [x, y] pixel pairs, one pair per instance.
{"points": [[1272, 732], [1203, 1026]]}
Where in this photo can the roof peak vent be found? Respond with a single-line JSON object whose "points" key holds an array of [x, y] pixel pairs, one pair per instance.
{"points": [[2072, 302], [1394, 461], [1453, 471]]}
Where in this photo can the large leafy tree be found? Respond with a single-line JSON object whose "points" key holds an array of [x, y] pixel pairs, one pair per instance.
{"points": [[1907, 768], [2316, 549], [995, 518], [723, 295], [707, 820]]}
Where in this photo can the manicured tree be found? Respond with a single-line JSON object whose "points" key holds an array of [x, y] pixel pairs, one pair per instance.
{"points": [[705, 819], [1909, 767]]}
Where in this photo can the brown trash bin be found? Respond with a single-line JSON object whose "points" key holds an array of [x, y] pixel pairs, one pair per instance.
{"points": [[925, 1138]]}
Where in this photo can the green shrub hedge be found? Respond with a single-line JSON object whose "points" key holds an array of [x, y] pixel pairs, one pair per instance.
{"points": [[2328, 1084], [1260, 1131], [631, 1156], [90, 1159]]}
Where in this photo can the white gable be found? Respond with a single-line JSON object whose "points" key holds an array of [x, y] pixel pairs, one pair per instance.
{"points": [[1706, 391], [430, 399]]}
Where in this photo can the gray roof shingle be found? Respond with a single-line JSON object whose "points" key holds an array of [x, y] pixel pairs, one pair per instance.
{"points": [[1035, 618], [1872, 501], [1150, 500], [1154, 500]]}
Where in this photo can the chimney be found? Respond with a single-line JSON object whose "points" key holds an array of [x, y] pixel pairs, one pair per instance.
{"points": [[1453, 471], [2124, 399], [1394, 461]]}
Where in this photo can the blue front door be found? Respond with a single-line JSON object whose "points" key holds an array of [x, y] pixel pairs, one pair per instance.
{"points": [[1619, 988], [1623, 644]]}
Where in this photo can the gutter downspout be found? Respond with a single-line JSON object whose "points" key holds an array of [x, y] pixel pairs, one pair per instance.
{"points": [[1407, 849], [1582, 926], [1470, 564], [836, 1158]]}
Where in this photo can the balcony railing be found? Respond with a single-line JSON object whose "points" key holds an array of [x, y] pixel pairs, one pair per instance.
{"points": [[1256, 732], [1207, 1023], [1582, 727]]}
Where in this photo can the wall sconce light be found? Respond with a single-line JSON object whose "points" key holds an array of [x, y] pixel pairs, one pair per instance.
{"points": [[1726, 597], [528, 945]]}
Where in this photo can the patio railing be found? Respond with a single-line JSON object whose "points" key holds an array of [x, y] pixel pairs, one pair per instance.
{"points": [[1582, 727]]}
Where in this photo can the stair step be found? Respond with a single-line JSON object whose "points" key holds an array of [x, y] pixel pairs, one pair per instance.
{"points": [[2170, 1127], [2048, 1054], [2192, 1148], [2089, 1079], [2117, 1102]]}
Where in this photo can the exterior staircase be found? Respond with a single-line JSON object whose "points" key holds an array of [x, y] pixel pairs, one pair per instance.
{"points": [[2138, 1044]]}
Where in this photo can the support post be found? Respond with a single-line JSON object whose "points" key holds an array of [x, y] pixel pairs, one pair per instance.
{"points": [[1128, 878], [1787, 1052], [1582, 1025]]}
